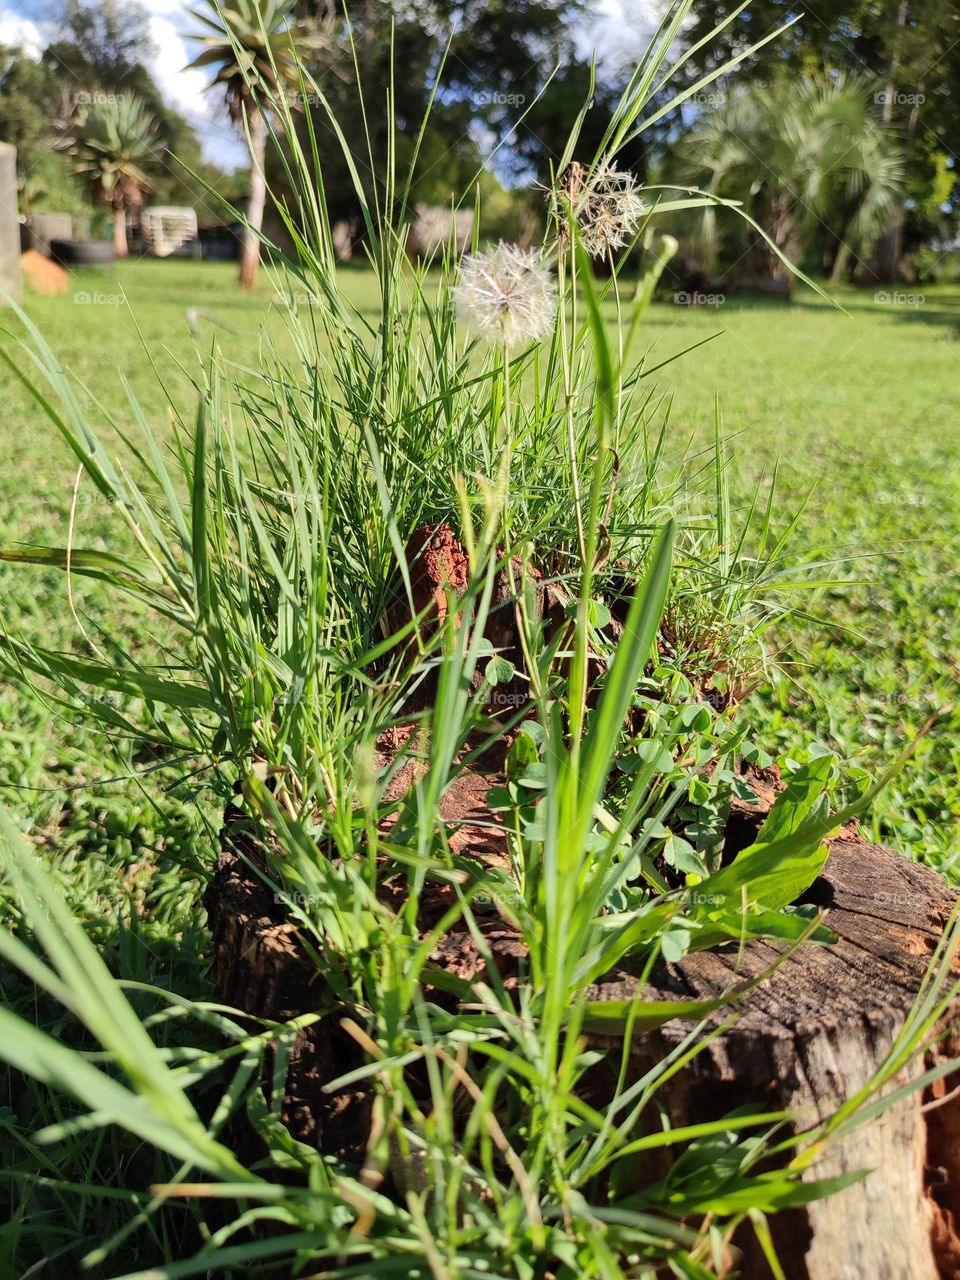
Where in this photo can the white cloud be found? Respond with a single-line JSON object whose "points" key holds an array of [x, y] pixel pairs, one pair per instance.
{"points": [[19, 32], [619, 31], [185, 90]]}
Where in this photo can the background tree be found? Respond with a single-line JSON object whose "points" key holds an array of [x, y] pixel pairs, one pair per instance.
{"points": [[496, 57], [103, 47], [914, 44], [30, 99], [806, 163], [911, 48], [381, 45], [519, 67], [115, 148], [98, 42], [249, 44]]}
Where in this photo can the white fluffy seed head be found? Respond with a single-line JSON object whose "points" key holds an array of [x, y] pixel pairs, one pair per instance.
{"points": [[607, 205], [506, 295]]}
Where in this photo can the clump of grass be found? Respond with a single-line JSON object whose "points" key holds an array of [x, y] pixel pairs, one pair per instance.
{"points": [[271, 547]]}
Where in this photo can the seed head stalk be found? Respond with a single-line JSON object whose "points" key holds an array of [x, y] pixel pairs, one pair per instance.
{"points": [[615, 277], [589, 536], [508, 297], [567, 340], [503, 436], [560, 1024], [516, 589]]}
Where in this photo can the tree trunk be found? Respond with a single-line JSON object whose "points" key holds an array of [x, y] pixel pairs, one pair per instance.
{"points": [[840, 262], [891, 242], [250, 243], [120, 247], [808, 1040], [890, 248], [844, 248], [764, 268]]}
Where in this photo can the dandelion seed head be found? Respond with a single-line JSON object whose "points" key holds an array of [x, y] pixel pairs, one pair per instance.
{"points": [[506, 295], [607, 205]]}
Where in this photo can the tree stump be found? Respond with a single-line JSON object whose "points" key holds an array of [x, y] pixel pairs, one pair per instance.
{"points": [[805, 1040]]}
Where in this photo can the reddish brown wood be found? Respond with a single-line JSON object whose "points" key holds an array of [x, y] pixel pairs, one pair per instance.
{"points": [[805, 1040]]}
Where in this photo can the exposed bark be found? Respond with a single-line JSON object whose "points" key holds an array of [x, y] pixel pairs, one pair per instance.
{"points": [[120, 247], [844, 247], [806, 1041], [250, 242], [262, 969], [763, 265], [890, 246]]}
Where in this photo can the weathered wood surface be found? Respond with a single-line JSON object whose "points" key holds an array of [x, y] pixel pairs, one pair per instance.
{"points": [[261, 969], [805, 1040]]}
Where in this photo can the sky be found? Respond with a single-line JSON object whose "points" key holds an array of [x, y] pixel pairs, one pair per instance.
{"points": [[185, 90], [616, 28]]}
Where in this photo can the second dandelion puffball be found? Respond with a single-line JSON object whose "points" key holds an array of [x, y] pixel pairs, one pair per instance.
{"points": [[607, 205], [506, 294]]}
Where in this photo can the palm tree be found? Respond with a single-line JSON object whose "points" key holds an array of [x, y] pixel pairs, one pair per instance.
{"points": [[806, 159], [114, 145], [870, 162], [250, 44]]}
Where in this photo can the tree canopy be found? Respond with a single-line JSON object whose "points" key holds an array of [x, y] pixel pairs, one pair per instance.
{"points": [[100, 51], [513, 75], [908, 50]]}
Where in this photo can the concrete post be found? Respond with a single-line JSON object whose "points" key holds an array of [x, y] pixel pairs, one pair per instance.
{"points": [[9, 225]]}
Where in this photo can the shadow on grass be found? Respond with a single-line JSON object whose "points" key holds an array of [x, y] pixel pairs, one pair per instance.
{"points": [[905, 304]]}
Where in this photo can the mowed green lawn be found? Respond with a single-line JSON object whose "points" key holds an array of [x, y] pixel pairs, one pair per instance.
{"points": [[859, 408]]}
